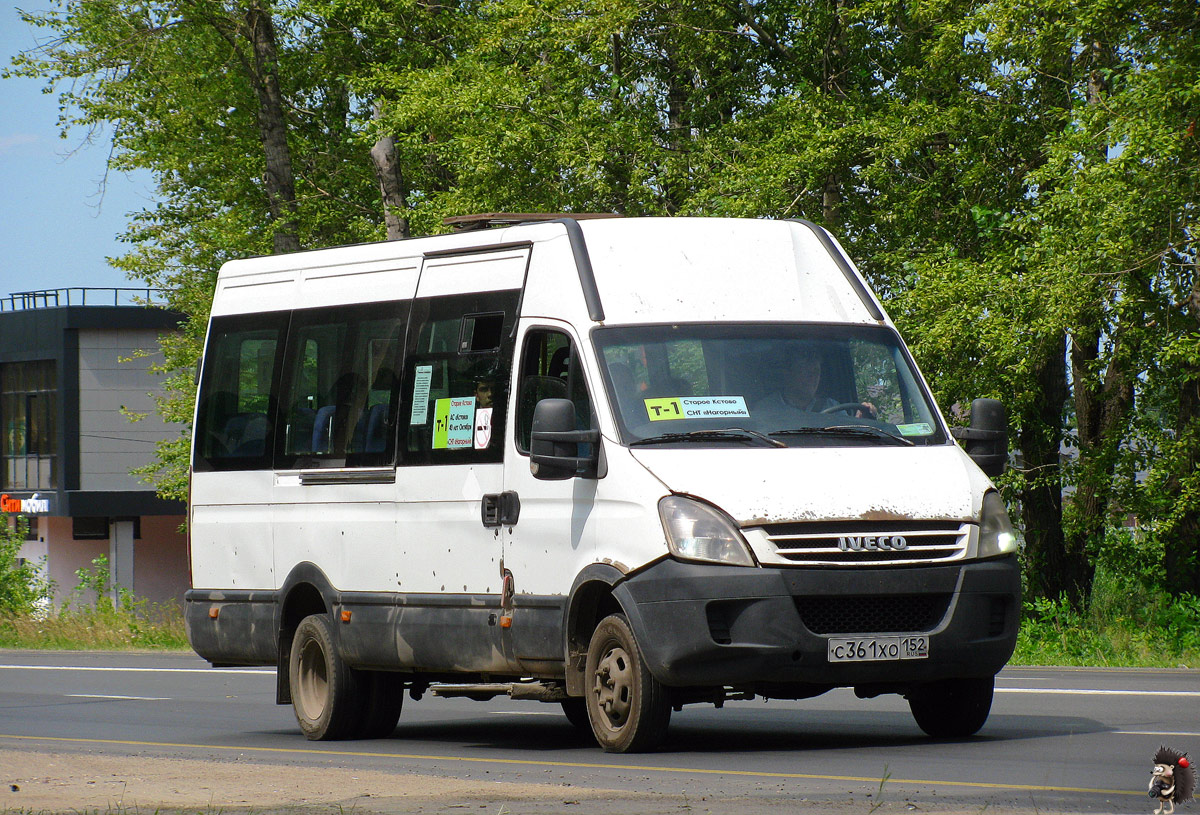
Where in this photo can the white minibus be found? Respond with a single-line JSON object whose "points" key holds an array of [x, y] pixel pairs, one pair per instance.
{"points": [[616, 464]]}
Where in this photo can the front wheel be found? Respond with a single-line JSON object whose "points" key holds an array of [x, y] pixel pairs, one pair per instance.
{"points": [[575, 709], [628, 708], [952, 708], [326, 695]]}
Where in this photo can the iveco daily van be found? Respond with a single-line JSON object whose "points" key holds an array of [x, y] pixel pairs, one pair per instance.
{"points": [[621, 465]]}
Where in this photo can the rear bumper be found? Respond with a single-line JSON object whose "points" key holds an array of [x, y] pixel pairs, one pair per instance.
{"points": [[701, 625]]}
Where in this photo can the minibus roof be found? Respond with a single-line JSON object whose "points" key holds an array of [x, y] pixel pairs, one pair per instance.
{"points": [[610, 270]]}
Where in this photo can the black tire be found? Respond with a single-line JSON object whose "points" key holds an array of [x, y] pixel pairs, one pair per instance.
{"points": [[326, 693], [383, 699], [575, 709], [952, 708], [627, 707]]}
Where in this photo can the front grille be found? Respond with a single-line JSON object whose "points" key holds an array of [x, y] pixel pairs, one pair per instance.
{"points": [[894, 614], [867, 542]]}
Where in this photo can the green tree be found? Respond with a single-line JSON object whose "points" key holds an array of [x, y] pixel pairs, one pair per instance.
{"points": [[22, 587], [1018, 177]]}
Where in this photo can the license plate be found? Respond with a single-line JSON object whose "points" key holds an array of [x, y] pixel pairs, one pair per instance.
{"points": [[877, 649]]}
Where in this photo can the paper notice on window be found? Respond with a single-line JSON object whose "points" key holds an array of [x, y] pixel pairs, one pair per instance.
{"points": [[696, 407], [483, 428], [420, 397], [454, 423]]}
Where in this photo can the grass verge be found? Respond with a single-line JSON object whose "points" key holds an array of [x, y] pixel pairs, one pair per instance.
{"points": [[1125, 625], [97, 628]]}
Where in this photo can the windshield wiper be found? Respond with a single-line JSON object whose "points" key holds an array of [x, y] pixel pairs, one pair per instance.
{"points": [[724, 434], [869, 431]]}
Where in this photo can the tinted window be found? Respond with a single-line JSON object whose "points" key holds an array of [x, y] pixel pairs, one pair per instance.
{"points": [[801, 384], [235, 419], [456, 378], [549, 371], [341, 386]]}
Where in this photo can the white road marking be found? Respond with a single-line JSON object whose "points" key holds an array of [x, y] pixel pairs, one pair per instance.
{"points": [[1100, 692], [107, 696], [271, 671], [139, 670], [1155, 733]]}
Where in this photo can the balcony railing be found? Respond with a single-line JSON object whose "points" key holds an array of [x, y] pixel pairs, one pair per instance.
{"points": [[83, 296]]}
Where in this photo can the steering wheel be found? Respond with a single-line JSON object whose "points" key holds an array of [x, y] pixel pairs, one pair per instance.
{"points": [[852, 408]]}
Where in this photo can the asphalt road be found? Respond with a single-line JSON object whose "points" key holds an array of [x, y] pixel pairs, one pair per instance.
{"points": [[1057, 740]]}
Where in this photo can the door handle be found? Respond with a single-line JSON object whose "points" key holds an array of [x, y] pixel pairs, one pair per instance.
{"points": [[500, 509]]}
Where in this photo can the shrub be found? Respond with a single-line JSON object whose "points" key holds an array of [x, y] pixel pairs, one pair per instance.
{"points": [[23, 590]]}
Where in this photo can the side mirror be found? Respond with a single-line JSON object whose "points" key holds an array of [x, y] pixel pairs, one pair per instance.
{"points": [[554, 446], [986, 440]]}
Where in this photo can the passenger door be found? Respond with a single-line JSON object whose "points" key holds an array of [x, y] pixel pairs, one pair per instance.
{"points": [[458, 362]]}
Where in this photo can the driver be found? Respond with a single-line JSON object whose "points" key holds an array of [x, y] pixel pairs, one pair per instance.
{"points": [[801, 381], [802, 378]]}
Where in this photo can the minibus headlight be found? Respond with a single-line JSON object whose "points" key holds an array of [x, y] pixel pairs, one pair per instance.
{"points": [[697, 531], [996, 535]]}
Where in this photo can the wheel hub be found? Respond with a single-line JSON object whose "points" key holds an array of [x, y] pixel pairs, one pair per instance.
{"points": [[614, 686], [314, 680]]}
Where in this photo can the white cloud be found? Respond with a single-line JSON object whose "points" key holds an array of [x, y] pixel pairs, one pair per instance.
{"points": [[9, 142]]}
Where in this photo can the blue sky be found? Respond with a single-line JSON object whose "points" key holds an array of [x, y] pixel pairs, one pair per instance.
{"points": [[56, 229]]}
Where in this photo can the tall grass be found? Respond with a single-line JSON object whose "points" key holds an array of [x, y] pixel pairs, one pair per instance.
{"points": [[1129, 620], [92, 620]]}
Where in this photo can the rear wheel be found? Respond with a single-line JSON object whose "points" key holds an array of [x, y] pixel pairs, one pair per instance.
{"points": [[952, 708], [628, 708], [326, 693], [383, 698]]}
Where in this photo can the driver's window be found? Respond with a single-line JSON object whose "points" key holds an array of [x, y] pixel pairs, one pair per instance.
{"points": [[549, 370]]}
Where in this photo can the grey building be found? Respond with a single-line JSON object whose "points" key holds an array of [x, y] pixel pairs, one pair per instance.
{"points": [[71, 368]]}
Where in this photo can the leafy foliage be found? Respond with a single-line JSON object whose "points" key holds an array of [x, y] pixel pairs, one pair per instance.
{"points": [[1018, 178], [23, 588]]}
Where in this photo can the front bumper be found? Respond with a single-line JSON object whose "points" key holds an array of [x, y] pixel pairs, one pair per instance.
{"points": [[704, 626]]}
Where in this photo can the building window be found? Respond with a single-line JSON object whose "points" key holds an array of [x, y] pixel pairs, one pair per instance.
{"points": [[89, 529], [97, 528], [28, 407]]}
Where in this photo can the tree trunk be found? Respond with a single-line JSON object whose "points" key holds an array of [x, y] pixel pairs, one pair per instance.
{"points": [[1102, 400], [1181, 540], [391, 185], [278, 178], [678, 135], [1040, 441], [832, 68], [1101, 409]]}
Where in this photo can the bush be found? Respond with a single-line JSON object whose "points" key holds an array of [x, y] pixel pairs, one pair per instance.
{"points": [[85, 623], [23, 590], [1126, 623]]}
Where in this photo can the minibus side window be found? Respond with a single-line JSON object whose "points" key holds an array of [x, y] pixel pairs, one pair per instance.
{"points": [[456, 373], [340, 389], [549, 371], [236, 415]]}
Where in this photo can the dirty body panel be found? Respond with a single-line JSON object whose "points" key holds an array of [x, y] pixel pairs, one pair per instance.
{"points": [[397, 632]]}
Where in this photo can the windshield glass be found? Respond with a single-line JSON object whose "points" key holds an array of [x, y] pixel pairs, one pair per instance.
{"points": [[764, 385]]}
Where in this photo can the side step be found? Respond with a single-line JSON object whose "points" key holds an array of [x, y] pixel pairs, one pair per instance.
{"points": [[537, 691]]}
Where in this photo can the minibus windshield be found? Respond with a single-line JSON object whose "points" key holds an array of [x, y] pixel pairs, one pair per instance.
{"points": [[764, 385]]}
